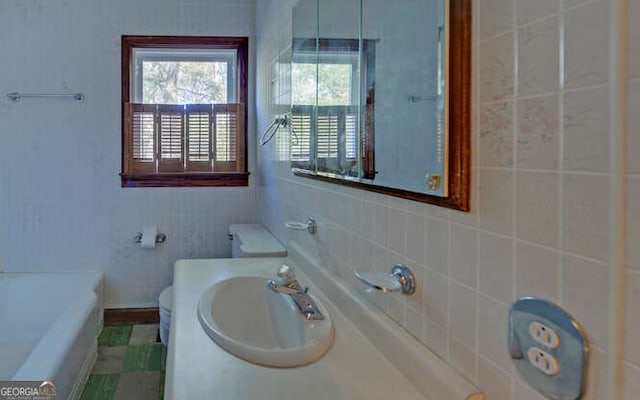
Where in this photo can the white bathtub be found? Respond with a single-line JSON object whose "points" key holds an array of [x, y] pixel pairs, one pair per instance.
{"points": [[49, 323]]}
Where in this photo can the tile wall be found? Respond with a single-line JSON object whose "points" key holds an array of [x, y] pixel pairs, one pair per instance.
{"points": [[61, 204], [632, 315], [539, 222]]}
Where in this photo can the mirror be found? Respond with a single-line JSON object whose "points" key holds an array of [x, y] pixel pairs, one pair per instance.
{"points": [[380, 96]]}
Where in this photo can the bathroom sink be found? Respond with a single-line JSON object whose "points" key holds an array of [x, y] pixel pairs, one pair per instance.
{"points": [[249, 320]]}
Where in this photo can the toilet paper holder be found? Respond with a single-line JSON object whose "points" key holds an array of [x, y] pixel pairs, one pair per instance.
{"points": [[160, 237]]}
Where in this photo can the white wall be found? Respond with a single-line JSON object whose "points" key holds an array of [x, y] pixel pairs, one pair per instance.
{"points": [[61, 204], [539, 220]]}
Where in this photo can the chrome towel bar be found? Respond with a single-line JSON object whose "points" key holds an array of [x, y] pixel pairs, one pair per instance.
{"points": [[16, 97]]}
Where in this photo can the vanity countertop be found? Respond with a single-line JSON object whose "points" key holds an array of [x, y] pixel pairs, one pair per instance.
{"points": [[197, 368]]}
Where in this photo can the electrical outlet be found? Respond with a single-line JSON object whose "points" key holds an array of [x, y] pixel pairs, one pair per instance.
{"points": [[543, 361], [544, 335], [548, 348]]}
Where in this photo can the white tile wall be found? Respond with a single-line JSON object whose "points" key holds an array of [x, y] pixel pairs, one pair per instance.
{"points": [[497, 138], [631, 382], [585, 124], [538, 55], [61, 204], [539, 221], [632, 322], [538, 132], [586, 31], [537, 192]]}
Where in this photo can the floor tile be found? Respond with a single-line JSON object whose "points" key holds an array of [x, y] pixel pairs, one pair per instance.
{"points": [[161, 390], [115, 335], [163, 363], [110, 360], [143, 357], [138, 386], [100, 387], [143, 334], [130, 365]]}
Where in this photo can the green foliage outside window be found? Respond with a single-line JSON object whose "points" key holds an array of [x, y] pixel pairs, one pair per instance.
{"points": [[166, 82]]}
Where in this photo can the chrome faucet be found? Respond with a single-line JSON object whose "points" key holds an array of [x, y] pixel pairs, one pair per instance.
{"points": [[289, 285]]}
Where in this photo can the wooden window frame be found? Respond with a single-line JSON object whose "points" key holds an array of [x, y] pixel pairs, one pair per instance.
{"points": [[187, 179]]}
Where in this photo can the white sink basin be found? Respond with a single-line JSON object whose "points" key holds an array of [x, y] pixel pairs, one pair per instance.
{"points": [[249, 320]]}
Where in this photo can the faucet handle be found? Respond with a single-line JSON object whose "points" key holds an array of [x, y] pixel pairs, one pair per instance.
{"points": [[286, 274]]}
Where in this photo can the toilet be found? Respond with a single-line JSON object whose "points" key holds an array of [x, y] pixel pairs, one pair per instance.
{"points": [[247, 240]]}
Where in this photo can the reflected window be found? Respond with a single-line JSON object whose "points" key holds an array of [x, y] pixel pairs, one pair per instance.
{"points": [[326, 93]]}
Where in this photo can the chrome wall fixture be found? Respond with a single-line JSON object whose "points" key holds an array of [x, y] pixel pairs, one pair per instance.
{"points": [[310, 226], [16, 97], [160, 237], [399, 280], [278, 122]]}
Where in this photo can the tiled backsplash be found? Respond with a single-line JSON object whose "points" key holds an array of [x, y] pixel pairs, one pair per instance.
{"points": [[539, 220]]}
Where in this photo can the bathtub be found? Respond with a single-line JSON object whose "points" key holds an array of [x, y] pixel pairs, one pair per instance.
{"points": [[49, 323]]}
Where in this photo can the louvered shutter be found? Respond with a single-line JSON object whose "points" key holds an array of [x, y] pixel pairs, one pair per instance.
{"points": [[163, 138], [228, 121], [140, 138], [171, 143], [301, 127], [327, 133], [199, 132], [351, 135]]}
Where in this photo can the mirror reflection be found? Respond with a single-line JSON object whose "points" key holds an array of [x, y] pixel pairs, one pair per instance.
{"points": [[369, 94]]}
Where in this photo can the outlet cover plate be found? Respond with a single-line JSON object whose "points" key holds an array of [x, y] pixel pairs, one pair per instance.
{"points": [[571, 354]]}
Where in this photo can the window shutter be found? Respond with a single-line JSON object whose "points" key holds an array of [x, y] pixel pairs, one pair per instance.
{"points": [[351, 135], [140, 138], [335, 130], [167, 138], [368, 142], [337, 135], [301, 125], [171, 146], [228, 153], [199, 132], [327, 132]]}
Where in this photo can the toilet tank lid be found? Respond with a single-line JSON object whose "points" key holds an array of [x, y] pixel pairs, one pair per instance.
{"points": [[257, 241]]}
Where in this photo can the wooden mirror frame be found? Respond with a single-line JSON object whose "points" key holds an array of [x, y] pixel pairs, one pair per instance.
{"points": [[459, 119]]}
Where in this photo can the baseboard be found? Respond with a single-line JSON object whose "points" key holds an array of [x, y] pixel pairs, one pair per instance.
{"points": [[122, 316]]}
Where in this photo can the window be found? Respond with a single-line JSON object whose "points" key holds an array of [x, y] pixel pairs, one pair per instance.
{"points": [[326, 84], [184, 111]]}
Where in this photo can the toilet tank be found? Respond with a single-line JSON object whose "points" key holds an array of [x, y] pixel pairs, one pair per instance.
{"points": [[254, 240]]}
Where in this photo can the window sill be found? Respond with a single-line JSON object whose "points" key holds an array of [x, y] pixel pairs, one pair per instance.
{"points": [[194, 179]]}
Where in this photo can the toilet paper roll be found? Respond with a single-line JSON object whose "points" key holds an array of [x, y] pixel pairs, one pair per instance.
{"points": [[149, 234]]}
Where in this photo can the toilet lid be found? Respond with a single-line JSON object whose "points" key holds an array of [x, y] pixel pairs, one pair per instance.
{"points": [[166, 297]]}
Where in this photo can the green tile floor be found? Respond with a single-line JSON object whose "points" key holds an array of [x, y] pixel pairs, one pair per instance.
{"points": [[130, 365]]}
